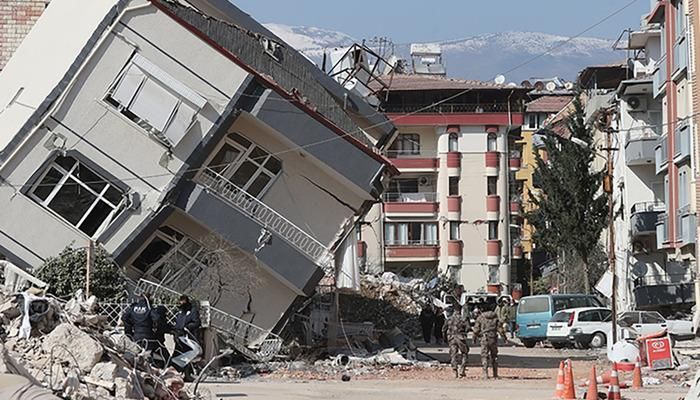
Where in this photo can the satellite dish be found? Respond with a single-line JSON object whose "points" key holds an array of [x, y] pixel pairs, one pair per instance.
{"points": [[500, 79], [568, 85], [526, 84], [550, 86], [539, 85]]}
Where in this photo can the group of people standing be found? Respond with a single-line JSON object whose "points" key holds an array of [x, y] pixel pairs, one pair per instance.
{"points": [[489, 322]]}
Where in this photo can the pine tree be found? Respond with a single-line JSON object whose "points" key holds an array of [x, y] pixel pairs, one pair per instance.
{"points": [[571, 210]]}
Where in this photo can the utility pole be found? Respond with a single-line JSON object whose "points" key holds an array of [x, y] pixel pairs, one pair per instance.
{"points": [[608, 188], [88, 268]]}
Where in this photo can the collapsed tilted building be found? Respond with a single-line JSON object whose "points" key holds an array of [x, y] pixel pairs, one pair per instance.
{"points": [[161, 129]]}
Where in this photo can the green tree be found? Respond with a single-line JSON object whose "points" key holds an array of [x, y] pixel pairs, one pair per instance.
{"points": [[65, 274], [571, 209]]}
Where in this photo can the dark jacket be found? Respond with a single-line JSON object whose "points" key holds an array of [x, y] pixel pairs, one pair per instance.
{"points": [[487, 324], [188, 319], [160, 325], [138, 321]]}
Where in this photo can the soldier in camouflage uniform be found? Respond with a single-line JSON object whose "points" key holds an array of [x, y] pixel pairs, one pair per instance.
{"points": [[455, 331], [487, 327]]}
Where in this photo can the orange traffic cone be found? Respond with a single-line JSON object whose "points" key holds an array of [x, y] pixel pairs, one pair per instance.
{"points": [[614, 392], [560, 382], [637, 382], [569, 390], [592, 393]]}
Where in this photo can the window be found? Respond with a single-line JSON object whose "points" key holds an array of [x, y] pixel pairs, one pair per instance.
{"points": [[494, 272], [453, 143], [406, 144], [561, 316], [532, 121], [492, 185], [683, 200], [652, 318], [410, 234], [563, 302], [491, 142], [533, 305], [493, 230], [454, 230], [79, 195], [245, 164], [454, 186], [156, 101], [680, 20], [628, 319], [453, 272], [589, 316]]}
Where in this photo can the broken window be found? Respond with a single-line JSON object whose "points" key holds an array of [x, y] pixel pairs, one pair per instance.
{"points": [[406, 144], [154, 100], [245, 164], [79, 195]]}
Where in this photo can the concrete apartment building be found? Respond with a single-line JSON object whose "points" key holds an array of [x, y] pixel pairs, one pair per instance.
{"points": [[158, 126], [654, 164], [16, 19], [450, 209]]}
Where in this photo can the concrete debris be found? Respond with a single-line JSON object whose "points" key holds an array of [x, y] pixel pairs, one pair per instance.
{"points": [[69, 350]]}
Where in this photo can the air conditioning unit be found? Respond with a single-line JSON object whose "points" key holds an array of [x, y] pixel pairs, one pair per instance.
{"points": [[423, 181], [636, 104]]}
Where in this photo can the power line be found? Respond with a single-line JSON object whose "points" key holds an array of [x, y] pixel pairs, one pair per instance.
{"points": [[402, 116]]}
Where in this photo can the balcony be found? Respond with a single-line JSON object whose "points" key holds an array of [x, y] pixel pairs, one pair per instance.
{"points": [[493, 207], [517, 251], [267, 217], [644, 217], [661, 154], [493, 252], [659, 77], [680, 56], [454, 252], [640, 146], [514, 161], [682, 145], [411, 203], [686, 228], [515, 207], [491, 161], [413, 250], [418, 161], [652, 291], [454, 207], [662, 238], [454, 159], [453, 108]]}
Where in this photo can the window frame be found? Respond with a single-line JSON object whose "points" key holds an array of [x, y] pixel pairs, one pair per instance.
{"points": [[450, 182], [491, 142], [453, 142], [492, 230], [489, 181], [112, 221], [401, 140], [243, 156], [454, 230]]}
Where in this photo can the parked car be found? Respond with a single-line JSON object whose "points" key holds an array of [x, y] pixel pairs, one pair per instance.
{"points": [[534, 312], [646, 322], [589, 323], [590, 327]]}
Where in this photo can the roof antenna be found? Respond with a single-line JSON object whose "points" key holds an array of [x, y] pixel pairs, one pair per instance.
{"points": [[323, 65]]}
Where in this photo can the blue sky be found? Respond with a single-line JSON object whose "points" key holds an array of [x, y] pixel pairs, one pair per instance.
{"points": [[436, 20]]}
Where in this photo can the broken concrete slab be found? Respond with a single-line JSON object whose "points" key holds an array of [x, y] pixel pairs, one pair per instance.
{"points": [[15, 387], [66, 337]]}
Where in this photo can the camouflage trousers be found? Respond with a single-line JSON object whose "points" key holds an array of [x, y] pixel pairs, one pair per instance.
{"points": [[459, 351], [489, 349]]}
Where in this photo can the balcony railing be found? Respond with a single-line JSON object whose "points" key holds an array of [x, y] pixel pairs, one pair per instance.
{"points": [[682, 139], [644, 217], [268, 218], [686, 228], [662, 237], [416, 153], [664, 279], [446, 108], [423, 197], [659, 77], [413, 243], [680, 55]]}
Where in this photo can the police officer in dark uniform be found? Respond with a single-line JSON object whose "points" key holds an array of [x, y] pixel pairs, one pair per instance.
{"points": [[139, 320], [187, 321]]}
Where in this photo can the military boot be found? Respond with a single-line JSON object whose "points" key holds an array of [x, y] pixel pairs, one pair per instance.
{"points": [[485, 373], [456, 373], [495, 370], [461, 371]]}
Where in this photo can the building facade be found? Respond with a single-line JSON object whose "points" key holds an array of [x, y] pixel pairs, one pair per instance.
{"points": [[450, 209], [164, 132], [16, 19]]}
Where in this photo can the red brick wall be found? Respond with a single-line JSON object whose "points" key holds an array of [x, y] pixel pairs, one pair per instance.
{"points": [[16, 19]]}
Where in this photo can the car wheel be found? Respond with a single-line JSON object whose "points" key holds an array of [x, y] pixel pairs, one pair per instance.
{"points": [[558, 345], [529, 343], [598, 340]]}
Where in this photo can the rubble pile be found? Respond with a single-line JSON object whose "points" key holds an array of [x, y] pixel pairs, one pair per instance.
{"points": [[386, 301], [68, 349]]}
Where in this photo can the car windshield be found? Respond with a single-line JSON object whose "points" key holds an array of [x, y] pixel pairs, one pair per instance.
{"points": [[561, 316], [533, 305]]}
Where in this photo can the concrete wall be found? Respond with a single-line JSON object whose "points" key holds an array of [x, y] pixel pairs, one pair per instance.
{"points": [[16, 19]]}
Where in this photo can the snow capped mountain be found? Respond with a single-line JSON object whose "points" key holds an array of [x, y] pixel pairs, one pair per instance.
{"points": [[482, 56]]}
